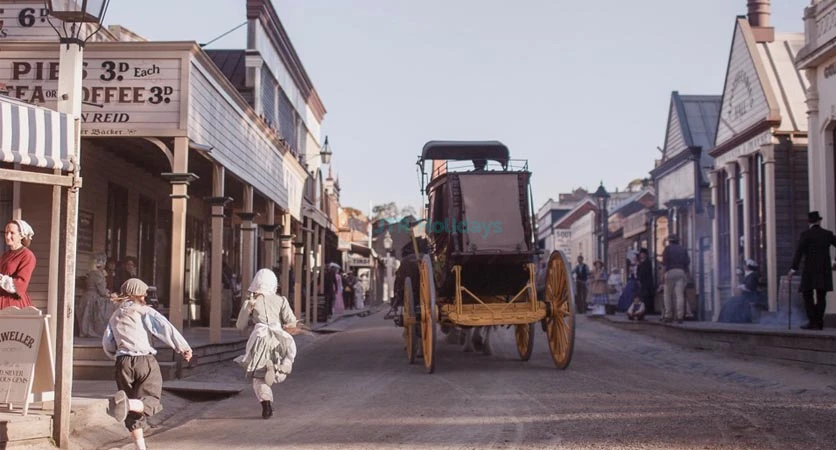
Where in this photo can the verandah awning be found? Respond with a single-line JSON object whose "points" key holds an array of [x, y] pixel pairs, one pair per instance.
{"points": [[34, 136]]}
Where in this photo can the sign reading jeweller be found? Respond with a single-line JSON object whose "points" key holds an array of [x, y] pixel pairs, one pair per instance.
{"points": [[122, 96]]}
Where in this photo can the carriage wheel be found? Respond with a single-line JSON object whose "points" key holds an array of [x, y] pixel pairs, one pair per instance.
{"points": [[409, 318], [428, 318], [560, 323], [524, 335]]}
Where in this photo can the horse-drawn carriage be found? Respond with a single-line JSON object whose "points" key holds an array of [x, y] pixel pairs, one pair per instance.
{"points": [[480, 265]]}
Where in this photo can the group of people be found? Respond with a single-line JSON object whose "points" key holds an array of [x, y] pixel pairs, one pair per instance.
{"points": [[343, 291], [95, 305], [595, 286], [639, 294]]}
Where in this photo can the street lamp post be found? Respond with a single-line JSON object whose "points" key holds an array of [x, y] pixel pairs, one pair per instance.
{"points": [[297, 280], [601, 198], [387, 244], [75, 14]]}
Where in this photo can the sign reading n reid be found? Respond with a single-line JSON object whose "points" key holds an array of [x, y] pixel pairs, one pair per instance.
{"points": [[122, 96]]}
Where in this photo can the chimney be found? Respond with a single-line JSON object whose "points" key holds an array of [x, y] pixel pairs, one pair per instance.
{"points": [[759, 12]]}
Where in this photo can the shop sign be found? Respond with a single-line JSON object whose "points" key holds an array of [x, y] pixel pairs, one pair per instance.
{"points": [[750, 146], [359, 261], [121, 96], [25, 356], [30, 21]]}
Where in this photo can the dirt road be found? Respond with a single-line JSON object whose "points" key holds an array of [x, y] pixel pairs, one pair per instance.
{"points": [[355, 390]]}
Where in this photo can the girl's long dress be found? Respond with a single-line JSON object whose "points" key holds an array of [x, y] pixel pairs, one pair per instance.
{"points": [[269, 345], [339, 305]]}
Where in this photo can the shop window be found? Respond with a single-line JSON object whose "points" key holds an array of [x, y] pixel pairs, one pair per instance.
{"points": [[287, 123], [116, 243], [146, 236], [268, 97]]}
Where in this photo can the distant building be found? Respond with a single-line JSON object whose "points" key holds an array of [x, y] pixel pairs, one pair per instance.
{"points": [[552, 233]]}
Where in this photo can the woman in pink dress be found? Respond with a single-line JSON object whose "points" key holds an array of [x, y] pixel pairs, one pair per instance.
{"points": [[16, 265], [339, 306]]}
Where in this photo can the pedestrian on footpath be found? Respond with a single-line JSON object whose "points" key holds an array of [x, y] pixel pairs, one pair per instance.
{"points": [[599, 288], [676, 262], [814, 247], [271, 349], [581, 272], [138, 374], [647, 286]]}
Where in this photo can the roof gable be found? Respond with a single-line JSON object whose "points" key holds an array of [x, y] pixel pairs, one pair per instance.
{"points": [[747, 99], [674, 138], [576, 213]]}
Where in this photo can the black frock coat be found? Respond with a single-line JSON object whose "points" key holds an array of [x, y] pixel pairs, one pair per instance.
{"points": [[814, 247]]}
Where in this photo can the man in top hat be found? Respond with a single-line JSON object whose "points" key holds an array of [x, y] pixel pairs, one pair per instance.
{"points": [[814, 247]]}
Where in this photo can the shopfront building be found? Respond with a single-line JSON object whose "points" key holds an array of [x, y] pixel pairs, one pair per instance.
{"points": [[759, 186]]}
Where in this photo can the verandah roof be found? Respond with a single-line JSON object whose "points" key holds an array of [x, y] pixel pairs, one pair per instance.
{"points": [[34, 136]]}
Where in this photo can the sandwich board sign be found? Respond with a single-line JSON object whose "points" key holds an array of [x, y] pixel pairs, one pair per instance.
{"points": [[27, 371]]}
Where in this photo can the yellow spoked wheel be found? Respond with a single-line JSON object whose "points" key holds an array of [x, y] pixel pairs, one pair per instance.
{"points": [[428, 313], [409, 321], [560, 321], [524, 335]]}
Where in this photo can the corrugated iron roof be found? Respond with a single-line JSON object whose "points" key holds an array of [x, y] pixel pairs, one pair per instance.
{"points": [[700, 122], [232, 64]]}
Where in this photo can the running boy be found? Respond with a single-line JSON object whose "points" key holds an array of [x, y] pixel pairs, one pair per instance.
{"points": [[138, 374]]}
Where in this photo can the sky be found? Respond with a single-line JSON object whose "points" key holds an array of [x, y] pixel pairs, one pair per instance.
{"points": [[581, 89]]}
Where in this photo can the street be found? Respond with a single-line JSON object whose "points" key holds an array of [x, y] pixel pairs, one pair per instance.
{"points": [[354, 389]]}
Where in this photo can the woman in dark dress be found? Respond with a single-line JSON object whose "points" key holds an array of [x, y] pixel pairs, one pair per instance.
{"points": [[647, 287], [739, 308]]}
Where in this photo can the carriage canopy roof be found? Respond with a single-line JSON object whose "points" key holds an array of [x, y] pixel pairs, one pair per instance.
{"points": [[465, 150]]}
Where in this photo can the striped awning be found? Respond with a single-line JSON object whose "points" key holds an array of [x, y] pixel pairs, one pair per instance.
{"points": [[34, 136]]}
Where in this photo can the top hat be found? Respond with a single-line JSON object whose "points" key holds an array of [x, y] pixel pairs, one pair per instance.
{"points": [[813, 217]]}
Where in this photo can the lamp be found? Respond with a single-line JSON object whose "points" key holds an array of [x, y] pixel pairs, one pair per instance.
{"points": [[325, 153], [76, 13], [601, 198]]}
